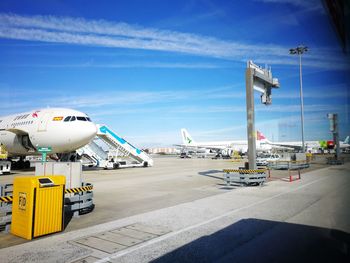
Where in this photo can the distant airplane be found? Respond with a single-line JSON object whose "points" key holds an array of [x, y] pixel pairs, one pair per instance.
{"points": [[237, 145], [309, 145], [63, 130]]}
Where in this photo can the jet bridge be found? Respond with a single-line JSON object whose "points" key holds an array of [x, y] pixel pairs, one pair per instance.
{"points": [[122, 147]]}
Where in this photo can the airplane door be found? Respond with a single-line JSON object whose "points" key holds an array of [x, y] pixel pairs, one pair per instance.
{"points": [[43, 122]]}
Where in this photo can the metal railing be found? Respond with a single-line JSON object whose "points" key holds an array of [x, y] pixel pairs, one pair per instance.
{"points": [[287, 165]]}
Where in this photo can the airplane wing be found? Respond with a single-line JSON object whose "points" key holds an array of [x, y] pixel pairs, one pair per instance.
{"points": [[285, 146], [215, 148], [179, 145]]}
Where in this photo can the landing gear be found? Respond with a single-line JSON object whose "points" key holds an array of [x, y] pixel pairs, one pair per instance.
{"points": [[68, 157], [20, 164], [26, 143]]}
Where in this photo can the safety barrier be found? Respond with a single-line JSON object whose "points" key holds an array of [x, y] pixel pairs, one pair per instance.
{"points": [[290, 177], [89, 187], [335, 161], [5, 207], [244, 176], [6, 199], [244, 171], [286, 165], [79, 202], [82, 200], [291, 166]]}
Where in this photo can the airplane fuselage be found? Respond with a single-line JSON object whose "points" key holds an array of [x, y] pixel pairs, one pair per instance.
{"points": [[25, 133], [239, 146], [311, 145]]}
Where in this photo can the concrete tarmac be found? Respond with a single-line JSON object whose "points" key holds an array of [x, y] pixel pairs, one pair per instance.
{"points": [[131, 191], [203, 219]]}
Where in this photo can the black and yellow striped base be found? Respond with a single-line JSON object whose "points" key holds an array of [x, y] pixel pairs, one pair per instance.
{"points": [[244, 171], [8, 199], [79, 189]]}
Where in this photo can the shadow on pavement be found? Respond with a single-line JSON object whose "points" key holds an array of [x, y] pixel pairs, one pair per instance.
{"points": [[217, 174], [255, 240]]}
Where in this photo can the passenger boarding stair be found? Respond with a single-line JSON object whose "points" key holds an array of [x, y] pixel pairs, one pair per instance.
{"points": [[94, 153], [121, 146]]}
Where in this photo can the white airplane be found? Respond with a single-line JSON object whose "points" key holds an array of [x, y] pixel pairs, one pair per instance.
{"points": [[238, 145], [64, 130], [309, 145]]}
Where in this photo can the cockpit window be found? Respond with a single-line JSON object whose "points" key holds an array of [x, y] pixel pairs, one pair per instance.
{"points": [[79, 118]]}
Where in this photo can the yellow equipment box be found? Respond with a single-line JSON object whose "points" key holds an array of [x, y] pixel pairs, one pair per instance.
{"points": [[38, 205], [3, 152]]}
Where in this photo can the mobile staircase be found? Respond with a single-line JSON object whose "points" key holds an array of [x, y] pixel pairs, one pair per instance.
{"points": [[122, 148], [93, 155]]}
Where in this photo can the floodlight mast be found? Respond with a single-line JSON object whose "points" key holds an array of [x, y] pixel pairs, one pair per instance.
{"points": [[299, 51]]}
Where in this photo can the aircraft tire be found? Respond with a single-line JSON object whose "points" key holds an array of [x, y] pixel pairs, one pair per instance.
{"points": [[26, 165]]}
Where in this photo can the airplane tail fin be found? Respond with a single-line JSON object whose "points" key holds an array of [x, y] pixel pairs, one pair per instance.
{"points": [[347, 140], [261, 137], [186, 137]]}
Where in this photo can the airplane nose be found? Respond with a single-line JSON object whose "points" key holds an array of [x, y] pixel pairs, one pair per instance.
{"points": [[90, 131], [84, 134]]}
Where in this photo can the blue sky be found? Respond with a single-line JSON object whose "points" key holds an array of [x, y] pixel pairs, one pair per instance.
{"points": [[149, 68]]}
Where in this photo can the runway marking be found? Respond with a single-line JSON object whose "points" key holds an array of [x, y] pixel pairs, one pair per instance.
{"points": [[174, 233]]}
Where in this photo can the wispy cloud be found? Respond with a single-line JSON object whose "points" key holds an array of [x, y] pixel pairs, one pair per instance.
{"points": [[172, 100], [307, 108], [124, 65], [337, 92], [101, 33], [259, 108], [117, 98], [309, 5], [91, 99]]}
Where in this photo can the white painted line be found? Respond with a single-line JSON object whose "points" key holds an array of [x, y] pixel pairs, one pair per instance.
{"points": [[174, 233]]}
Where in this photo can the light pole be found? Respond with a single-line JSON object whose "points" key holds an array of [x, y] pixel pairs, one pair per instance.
{"points": [[299, 51]]}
